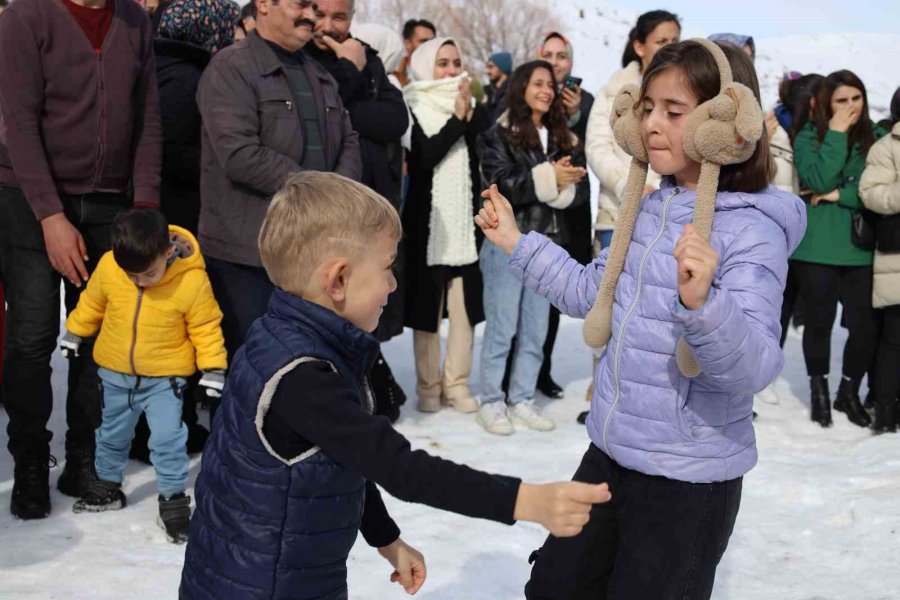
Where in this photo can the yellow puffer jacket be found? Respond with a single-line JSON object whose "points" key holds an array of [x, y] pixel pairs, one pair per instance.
{"points": [[166, 330]]}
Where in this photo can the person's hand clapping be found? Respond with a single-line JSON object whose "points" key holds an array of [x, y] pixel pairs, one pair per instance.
{"points": [[566, 173], [463, 100]]}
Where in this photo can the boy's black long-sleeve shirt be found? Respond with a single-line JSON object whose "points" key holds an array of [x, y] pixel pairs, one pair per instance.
{"points": [[314, 406]]}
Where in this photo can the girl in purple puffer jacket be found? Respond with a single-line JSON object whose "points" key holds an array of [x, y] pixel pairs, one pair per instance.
{"points": [[687, 300]]}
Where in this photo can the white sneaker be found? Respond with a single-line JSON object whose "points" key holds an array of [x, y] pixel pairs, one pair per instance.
{"points": [[527, 414], [768, 395], [492, 416]]}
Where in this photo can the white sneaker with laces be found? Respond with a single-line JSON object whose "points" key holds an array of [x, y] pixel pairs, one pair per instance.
{"points": [[527, 414], [492, 416]]}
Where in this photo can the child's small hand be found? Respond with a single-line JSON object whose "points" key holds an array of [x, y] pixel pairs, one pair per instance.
{"points": [[497, 220], [408, 563], [697, 264], [563, 508]]}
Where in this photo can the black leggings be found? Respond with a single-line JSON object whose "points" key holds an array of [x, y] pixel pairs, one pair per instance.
{"points": [[658, 539], [887, 359], [791, 301], [821, 287]]}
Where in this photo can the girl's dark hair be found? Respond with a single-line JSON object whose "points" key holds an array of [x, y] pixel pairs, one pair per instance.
{"points": [[895, 107], [139, 237], [646, 23], [801, 91], [520, 130], [861, 134], [701, 75]]}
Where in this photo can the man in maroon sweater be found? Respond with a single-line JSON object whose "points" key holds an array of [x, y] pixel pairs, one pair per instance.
{"points": [[80, 140]]}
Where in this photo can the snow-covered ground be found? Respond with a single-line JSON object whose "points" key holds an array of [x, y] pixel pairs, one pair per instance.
{"points": [[820, 516]]}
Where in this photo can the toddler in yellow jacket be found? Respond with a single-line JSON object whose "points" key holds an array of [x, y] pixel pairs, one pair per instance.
{"points": [[158, 321]]}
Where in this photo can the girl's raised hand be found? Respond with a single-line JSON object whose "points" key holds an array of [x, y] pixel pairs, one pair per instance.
{"points": [[697, 264], [497, 220], [843, 119]]}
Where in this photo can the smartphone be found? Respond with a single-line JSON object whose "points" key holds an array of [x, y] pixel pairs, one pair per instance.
{"points": [[572, 83]]}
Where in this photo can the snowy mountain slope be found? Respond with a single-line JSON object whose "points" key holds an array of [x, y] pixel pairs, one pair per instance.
{"points": [[599, 31]]}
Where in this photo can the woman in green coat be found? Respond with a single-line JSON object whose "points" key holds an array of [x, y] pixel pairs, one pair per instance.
{"points": [[830, 155]]}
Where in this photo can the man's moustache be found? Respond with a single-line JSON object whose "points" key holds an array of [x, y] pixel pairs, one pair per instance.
{"points": [[302, 21]]}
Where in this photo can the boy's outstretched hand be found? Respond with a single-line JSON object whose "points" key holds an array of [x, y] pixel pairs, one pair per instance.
{"points": [[563, 508], [697, 264], [497, 220], [408, 563]]}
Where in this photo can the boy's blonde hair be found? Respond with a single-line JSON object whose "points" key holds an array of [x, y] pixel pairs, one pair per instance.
{"points": [[318, 215]]}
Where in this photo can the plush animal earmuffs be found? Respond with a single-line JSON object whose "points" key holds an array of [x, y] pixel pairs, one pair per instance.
{"points": [[722, 131]]}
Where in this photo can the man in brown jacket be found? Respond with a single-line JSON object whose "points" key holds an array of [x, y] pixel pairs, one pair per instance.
{"points": [[79, 132], [268, 111]]}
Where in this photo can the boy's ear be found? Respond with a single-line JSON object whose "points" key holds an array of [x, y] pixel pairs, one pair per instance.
{"points": [[170, 252], [335, 279]]}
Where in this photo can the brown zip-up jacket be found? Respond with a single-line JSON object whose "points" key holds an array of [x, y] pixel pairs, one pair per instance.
{"points": [[73, 121], [253, 139]]}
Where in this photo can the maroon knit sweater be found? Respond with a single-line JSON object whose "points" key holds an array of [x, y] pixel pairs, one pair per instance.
{"points": [[73, 121]]}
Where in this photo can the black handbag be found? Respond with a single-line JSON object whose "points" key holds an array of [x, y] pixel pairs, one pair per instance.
{"points": [[887, 238], [863, 229]]}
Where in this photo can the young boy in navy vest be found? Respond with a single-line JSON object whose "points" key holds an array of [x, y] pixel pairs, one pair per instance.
{"points": [[289, 471]]}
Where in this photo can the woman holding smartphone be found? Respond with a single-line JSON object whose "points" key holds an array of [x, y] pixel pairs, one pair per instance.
{"points": [[533, 158]]}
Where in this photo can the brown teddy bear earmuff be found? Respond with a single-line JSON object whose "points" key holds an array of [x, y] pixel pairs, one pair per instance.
{"points": [[722, 131]]}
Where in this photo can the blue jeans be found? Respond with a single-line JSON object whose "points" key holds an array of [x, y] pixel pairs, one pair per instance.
{"points": [[602, 239], [510, 311], [125, 397]]}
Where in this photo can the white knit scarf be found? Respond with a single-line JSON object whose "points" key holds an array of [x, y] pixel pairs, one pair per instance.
{"points": [[451, 239]]}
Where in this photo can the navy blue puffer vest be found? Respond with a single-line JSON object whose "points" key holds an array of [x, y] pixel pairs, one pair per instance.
{"points": [[265, 527]]}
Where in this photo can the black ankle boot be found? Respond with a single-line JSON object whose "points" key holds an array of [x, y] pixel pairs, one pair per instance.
{"points": [[887, 415], [175, 517], [31, 487], [820, 400], [847, 401], [78, 473]]}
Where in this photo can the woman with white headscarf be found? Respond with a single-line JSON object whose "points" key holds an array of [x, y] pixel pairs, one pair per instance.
{"points": [[442, 247]]}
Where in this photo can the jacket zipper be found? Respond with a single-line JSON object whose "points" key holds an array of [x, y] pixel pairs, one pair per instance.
{"points": [[325, 136], [134, 329], [631, 309]]}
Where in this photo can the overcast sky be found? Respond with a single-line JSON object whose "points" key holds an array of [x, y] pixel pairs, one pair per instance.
{"points": [[769, 18]]}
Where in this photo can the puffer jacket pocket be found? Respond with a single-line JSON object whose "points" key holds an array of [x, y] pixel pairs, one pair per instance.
{"points": [[683, 414]]}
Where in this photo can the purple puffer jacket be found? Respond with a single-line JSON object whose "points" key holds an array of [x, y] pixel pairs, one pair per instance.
{"points": [[645, 414]]}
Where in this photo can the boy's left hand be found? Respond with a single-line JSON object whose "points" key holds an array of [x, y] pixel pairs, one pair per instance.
{"points": [[408, 563], [697, 264]]}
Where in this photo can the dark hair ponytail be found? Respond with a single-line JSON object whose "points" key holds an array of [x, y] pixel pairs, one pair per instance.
{"points": [[646, 23], [895, 108], [802, 90]]}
